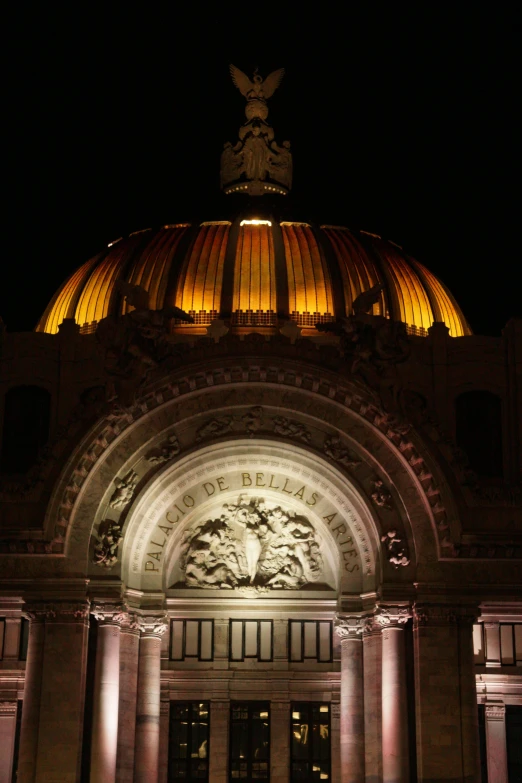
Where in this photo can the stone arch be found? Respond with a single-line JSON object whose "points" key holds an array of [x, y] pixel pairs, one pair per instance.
{"points": [[118, 445]]}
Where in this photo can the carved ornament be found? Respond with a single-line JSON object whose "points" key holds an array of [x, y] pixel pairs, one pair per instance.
{"points": [[167, 451], [443, 614], [380, 495], [495, 712], [252, 544], [214, 428], [334, 449], [349, 626], [396, 549], [392, 616], [122, 495], [58, 611], [253, 420], [289, 428], [152, 625], [109, 614], [106, 548]]}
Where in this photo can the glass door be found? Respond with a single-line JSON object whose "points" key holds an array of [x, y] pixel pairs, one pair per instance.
{"points": [[310, 742], [188, 741], [250, 741]]}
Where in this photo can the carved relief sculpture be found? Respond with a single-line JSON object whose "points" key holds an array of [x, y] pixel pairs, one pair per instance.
{"points": [[380, 495], [164, 453], [334, 449], [256, 160], [291, 429], [124, 491], [253, 420], [214, 428], [252, 543], [396, 549], [106, 548]]}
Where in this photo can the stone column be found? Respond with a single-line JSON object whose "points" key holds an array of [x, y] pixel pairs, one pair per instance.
{"points": [[32, 697], [106, 693], [349, 629], [163, 769], [395, 759], [279, 741], [146, 760], [447, 725], [372, 664], [12, 638], [219, 726], [129, 650], [7, 738], [496, 747], [62, 692]]}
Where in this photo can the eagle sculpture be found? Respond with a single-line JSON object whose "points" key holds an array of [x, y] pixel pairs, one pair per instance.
{"points": [[259, 89]]}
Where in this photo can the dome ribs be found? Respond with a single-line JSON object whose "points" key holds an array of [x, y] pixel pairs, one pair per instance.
{"points": [[309, 284], [281, 272], [63, 303], [150, 268], [334, 272], [357, 270], [200, 282], [254, 296]]}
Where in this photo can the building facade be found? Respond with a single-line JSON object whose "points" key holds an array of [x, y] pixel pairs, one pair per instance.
{"points": [[256, 524]]}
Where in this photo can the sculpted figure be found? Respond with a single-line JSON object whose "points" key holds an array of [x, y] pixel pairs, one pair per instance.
{"points": [[124, 491], [334, 449], [396, 548], [252, 544], [106, 548], [134, 343], [231, 163]]}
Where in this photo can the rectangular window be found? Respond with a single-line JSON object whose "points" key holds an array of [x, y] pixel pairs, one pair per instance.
{"points": [[251, 639], [310, 640], [497, 644], [249, 741], [192, 639], [310, 750], [188, 741], [24, 639]]}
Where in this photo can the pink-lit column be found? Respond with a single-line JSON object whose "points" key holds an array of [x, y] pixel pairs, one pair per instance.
{"points": [[7, 738], [146, 763], [129, 651], [395, 758], [496, 748], [349, 629], [106, 694], [372, 664], [32, 698]]}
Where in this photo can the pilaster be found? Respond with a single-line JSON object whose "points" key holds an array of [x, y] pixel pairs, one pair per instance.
{"points": [[496, 747], [7, 738]]}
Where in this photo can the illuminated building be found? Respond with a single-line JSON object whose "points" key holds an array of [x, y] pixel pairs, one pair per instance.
{"points": [[259, 544]]}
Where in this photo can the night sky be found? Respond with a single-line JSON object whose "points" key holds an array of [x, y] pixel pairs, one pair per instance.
{"points": [[403, 122]]}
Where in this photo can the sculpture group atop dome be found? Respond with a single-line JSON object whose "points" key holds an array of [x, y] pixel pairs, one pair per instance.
{"points": [[256, 164]]}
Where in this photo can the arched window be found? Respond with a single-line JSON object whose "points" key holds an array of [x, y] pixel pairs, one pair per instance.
{"points": [[26, 427], [479, 431]]}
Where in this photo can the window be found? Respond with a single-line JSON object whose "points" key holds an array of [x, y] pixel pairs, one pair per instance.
{"points": [[192, 639], [310, 639], [26, 427], [497, 644], [188, 741], [479, 431], [24, 639], [310, 748], [249, 741], [2, 635], [250, 639]]}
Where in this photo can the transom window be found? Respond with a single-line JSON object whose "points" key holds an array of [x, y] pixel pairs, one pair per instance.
{"points": [[249, 741], [310, 742], [192, 639], [251, 639], [188, 741], [310, 640]]}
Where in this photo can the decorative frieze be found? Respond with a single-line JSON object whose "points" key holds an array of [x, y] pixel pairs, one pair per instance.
{"points": [[443, 614], [495, 712], [59, 612]]}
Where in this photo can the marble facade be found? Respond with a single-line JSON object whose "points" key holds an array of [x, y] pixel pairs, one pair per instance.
{"points": [[353, 518]]}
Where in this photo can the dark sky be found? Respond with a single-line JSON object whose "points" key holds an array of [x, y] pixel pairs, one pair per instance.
{"points": [[403, 121]]}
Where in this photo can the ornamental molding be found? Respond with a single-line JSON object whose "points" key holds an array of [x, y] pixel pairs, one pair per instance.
{"points": [[444, 615], [59, 612], [152, 625], [392, 616], [350, 626], [116, 423], [8, 708], [109, 614], [495, 712]]}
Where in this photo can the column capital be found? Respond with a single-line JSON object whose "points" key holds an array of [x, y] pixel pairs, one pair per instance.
{"points": [[349, 626], [444, 614], [152, 625], [392, 615], [495, 712], [108, 613]]}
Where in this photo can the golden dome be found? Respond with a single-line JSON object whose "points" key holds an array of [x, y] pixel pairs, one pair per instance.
{"points": [[252, 272]]}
